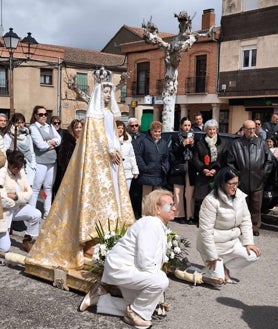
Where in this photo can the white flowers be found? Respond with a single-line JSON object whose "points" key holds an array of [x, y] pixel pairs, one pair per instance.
{"points": [[106, 241], [176, 248]]}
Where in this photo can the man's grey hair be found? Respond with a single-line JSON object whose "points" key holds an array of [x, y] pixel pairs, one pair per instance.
{"points": [[211, 123], [4, 116], [131, 120]]}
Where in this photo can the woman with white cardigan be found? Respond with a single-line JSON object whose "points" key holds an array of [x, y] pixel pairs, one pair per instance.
{"points": [[128, 156], [225, 237]]}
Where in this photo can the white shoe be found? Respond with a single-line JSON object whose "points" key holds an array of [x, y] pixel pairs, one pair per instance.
{"points": [[135, 320], [92, 297]]}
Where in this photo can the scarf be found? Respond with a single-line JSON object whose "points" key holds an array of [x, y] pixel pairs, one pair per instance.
{"points": [[23, 141], [211, 141]]}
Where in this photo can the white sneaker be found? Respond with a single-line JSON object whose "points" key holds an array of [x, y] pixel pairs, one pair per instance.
{"points": [[135, 320]]}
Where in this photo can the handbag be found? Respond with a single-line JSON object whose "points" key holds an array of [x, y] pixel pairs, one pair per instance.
{"points": [[178, 169]]}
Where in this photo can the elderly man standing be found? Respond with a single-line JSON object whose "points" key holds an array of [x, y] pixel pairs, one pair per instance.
{"points": [[135, 191], [250, 156]]}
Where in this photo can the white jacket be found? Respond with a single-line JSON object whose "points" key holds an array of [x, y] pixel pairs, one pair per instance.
{"points": [[141, 249], [128, 156], [222, 224]]}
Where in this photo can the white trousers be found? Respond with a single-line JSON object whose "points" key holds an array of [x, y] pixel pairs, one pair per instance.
{"points": [[236, 260], [44, 178], [143, 293], [30, 215]]}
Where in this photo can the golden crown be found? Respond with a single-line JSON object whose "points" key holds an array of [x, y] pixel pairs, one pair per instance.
{"points": [[102, 75]]}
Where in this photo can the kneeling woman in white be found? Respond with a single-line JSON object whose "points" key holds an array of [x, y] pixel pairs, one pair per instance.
{"points": [[225, 233], [15, 196], [134, 264]]}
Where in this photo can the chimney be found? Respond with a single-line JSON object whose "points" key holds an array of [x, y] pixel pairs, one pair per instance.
{"points": [[208, 19]]}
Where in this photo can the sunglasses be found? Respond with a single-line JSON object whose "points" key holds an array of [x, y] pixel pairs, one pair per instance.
{"points": [[42, 114], [56, 123], [132, 126]]}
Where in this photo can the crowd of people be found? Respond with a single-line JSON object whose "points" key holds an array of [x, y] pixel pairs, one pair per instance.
{"points": [[187, 166], [208, 181]]}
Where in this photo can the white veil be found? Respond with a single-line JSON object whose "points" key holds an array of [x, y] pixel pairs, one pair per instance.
{"points": [[96, 105]]}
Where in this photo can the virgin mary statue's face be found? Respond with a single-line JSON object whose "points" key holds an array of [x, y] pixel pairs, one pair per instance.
{"points": [[106, 94]]}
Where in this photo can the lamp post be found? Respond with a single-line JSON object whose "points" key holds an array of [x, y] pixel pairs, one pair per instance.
{"points": [[11, 40]]}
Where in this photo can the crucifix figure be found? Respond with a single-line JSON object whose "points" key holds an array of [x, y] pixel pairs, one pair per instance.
{"points": [[182, 42]]}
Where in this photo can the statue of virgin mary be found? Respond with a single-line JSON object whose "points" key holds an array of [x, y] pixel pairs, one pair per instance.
{"points": [[93, 188]]}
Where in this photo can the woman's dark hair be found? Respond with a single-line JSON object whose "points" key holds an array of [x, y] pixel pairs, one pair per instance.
{"points": [[73, 124], [273, 140], [184, 119], [222, 177], [121, 123], [15, 158], [14, 119], [35, 111]]}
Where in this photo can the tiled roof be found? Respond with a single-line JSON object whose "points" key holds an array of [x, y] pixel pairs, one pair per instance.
{"points": [[85, 56], [140, 32]]}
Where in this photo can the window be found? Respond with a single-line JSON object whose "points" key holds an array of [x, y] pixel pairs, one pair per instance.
{"points": [[251, 4], [82, 82], [249, 58], [46, 77], [123, 94], [3, 82], [80, 114], [143, 78], [201, 72]]}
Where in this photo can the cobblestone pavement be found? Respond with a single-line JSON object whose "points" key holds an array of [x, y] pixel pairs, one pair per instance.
{"points": [[28, 302]]}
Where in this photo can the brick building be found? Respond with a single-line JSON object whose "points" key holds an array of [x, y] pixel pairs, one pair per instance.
{"points": [[197, 78]]}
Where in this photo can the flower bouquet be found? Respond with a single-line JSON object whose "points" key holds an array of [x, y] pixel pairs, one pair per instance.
{"points": [[106, 241], [176, 251]]}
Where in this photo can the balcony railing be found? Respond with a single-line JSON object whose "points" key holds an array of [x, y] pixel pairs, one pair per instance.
{"points": [[140, 89], [195, 85]]}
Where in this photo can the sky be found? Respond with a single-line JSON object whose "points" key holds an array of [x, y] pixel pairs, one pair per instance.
{"points": [[90, 24]]}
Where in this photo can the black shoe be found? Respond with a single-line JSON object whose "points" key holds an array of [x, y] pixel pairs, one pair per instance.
{"points": [[18, 226], [190, 221], [256, 233], [180, 220]]}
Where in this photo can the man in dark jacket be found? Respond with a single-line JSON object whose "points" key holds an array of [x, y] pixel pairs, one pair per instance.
{"points": [[271, 127], [135, 191], [251, 157]]}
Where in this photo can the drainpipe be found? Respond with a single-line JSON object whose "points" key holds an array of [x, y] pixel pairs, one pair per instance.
{"points": [[59, 85]]}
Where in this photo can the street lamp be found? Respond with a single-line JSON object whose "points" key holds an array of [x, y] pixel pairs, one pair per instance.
{"points": [[11, 40]]}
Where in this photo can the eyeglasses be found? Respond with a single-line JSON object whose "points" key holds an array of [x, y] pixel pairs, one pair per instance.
{"points": [[132, 126], [56, 123], [42, 114], [232, 184], [258, 124]]}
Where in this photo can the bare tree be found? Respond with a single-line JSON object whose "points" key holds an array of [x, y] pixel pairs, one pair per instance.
{"points": [[182, 42], [72, 85]]}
